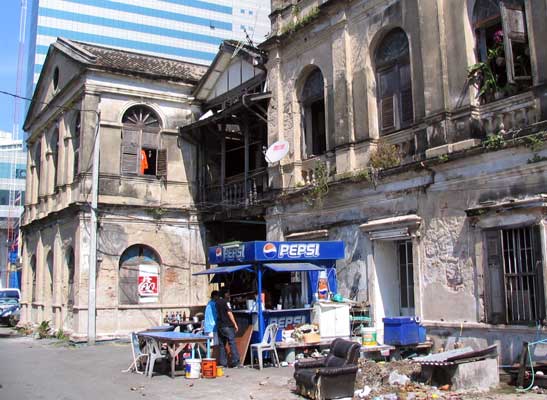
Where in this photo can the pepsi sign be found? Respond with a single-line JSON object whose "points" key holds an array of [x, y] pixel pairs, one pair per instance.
{"points": [[258, 251]]}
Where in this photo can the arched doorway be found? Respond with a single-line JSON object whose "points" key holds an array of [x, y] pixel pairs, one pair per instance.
{"points": [[139, 275]]}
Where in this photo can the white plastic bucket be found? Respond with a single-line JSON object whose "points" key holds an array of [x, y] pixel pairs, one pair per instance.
{"points": [[369, 336], [193, 368]]}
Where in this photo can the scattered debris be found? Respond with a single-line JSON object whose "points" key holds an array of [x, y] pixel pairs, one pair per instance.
{"points": [[396, 378], [363, 392]]}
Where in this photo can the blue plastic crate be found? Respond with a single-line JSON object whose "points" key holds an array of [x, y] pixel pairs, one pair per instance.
{"points": [[401, 331]]}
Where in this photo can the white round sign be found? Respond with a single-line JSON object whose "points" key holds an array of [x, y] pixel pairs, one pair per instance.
{"points": [[277, 151]]}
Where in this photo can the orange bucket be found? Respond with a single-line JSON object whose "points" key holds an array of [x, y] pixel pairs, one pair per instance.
{"points": [[209, 368]]}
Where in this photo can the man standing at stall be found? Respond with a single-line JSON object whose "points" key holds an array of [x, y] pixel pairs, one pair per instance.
{"points": [[227, 328]]}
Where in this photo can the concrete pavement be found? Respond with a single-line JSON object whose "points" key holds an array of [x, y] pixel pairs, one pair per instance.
{"points": [[51, 370]]}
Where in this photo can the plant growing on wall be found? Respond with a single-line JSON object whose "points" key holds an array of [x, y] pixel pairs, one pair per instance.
{"points": [[299, 22], [536, 143], [43, 331], [494, 142], [385, 156], [319, 186]]}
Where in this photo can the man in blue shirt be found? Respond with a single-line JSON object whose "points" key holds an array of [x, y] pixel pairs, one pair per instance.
{"points": [[210, 321]]}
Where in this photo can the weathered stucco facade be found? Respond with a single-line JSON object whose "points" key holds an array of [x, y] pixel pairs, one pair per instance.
{"points": [[457, 201], [147, 217]]}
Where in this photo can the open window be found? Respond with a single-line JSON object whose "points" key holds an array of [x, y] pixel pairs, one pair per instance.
{"points": [[392, 63], [141, 152], [502, 49], [313, 115]]}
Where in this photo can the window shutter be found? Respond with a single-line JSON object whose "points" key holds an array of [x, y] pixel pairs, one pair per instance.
{"points": [[161, 171], [495, 279], [130, 152], [128, 284], [538, 261], [150, 139], [386, 109], [514, 30], [407, 110]]}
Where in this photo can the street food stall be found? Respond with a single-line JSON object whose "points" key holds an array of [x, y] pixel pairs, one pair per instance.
{"points": [[290, 276]]}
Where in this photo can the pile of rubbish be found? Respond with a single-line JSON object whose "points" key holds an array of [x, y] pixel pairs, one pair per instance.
{"points": [[396, 380]]}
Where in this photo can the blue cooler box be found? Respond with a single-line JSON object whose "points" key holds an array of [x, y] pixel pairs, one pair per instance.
{"points": [[400, 331]]}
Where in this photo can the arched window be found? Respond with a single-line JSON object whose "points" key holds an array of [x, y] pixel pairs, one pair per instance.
{"points": [[32, 278], [393, 77], [54, 148], [69, 260], [313, 115], [139, 275], [141, 152], [76, 146], [503, 54]]}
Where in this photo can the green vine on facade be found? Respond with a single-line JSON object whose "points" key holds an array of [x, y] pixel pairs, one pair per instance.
{"points": [[536, 143], [157, 213], [494, 142], [319, 186], [300, 22]]}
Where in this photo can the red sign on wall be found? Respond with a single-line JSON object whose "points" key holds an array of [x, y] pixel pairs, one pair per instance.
{"points": [[148, 285]]}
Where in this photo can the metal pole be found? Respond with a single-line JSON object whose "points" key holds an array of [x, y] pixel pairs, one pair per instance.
{"points": [[92, 298], [259, 302]]}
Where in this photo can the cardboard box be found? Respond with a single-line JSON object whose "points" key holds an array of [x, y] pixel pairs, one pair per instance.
{"points": [[312, 338]]}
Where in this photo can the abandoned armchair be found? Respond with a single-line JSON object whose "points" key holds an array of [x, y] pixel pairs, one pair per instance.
{"points": [[331, 377]]}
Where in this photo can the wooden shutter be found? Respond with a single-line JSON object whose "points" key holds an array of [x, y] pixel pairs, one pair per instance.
{"points": [[161, 170], [130, 152], [387, 113], [150, 139], [128, 284], [495, 279], [407, 109], [514, 30]]}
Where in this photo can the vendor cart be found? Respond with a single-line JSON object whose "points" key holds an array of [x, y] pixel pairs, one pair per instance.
{"points": [[292, 267]]}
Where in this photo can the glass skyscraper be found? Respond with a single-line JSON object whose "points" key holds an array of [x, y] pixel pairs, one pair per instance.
{"points": [[189, 30]]}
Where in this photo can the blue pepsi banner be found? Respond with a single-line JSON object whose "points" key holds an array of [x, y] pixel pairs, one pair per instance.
{"points": [[264, 251]]}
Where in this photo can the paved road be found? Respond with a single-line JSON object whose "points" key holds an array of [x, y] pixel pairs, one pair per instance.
{"points": [[46, 369], [51, 370]]}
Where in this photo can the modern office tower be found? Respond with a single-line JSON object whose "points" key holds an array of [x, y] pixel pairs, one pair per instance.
{"points": [[13, 159], [189, 30]]}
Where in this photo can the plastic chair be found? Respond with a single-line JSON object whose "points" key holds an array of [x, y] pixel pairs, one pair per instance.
{"points": [[267, 344], [154, 353], [137, 354]]}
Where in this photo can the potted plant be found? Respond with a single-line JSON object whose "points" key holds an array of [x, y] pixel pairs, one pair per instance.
{"points": [[485, 75]]}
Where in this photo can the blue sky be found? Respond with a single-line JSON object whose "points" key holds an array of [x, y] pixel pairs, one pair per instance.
{"points": [[9, 30]]}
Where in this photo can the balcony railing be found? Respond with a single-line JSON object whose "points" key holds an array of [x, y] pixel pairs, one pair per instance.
{"points": [[510, 113], [238, 191]]}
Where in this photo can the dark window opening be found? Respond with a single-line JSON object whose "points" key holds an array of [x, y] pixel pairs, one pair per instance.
{"points": [[235, 157], [313, 115], [148, 161], [502, 50], [76, 146]]}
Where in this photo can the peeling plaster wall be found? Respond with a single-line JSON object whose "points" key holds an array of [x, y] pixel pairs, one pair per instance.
{"points": [[448, 252]]}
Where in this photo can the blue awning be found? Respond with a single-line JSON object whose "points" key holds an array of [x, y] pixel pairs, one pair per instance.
{"points": [[223, 270], [293, 267]]}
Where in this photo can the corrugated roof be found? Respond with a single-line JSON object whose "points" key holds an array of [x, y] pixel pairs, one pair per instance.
{"points": [[154, 67]]}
